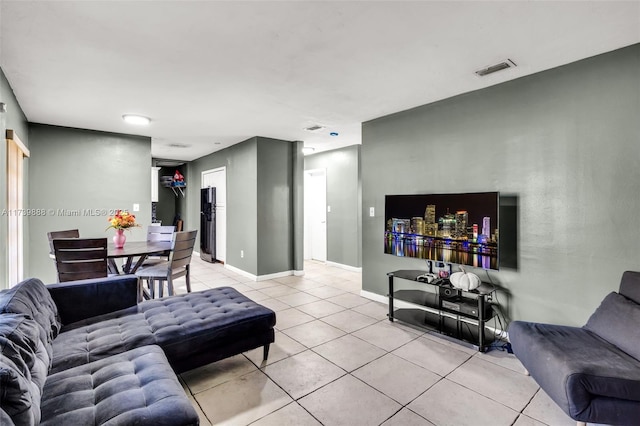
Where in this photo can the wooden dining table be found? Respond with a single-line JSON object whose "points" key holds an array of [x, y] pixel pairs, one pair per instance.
{"points": [[131, 250]]}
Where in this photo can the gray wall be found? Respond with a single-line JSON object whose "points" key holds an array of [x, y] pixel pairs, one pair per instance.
{"points": [[563, 142], [14, 119], [344, 222], [260, 212], [275, 209], [297, 199], [242, 204], [74, 169]]}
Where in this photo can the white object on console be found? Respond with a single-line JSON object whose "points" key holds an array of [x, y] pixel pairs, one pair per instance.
{"points": [[426, 278], [465, 281]]}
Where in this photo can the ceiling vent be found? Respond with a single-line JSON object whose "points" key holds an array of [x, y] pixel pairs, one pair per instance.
{"points": [[168, 163], [495, 68], [314, 128], [178, 145]]}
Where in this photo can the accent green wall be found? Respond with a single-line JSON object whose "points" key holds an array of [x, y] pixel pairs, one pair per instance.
{"points": [[275, 206], [242, 203], [564, 142], [344, 221], [260, 206], [73, 171]]}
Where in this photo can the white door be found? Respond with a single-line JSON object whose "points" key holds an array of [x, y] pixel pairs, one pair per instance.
{"points": [[217, 178], [315, 197]]}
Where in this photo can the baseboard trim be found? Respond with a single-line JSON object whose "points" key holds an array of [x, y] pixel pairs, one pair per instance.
{"points": [[276, 275], [298, 273], [240, 272], [374, 296], [343, 266], [259, 277]]}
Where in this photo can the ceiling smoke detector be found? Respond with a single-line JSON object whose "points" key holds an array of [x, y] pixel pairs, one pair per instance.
{"points": [[314, 128], [495, 68]]}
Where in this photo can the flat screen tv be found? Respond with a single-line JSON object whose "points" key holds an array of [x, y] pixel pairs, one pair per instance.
{"points": [[451, 228]]}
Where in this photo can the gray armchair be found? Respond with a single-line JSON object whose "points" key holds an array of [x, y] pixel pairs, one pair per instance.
{"points": [[591, 372]]}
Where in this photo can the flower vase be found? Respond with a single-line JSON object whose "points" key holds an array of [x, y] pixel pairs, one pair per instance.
{"points": [[119, 239]]}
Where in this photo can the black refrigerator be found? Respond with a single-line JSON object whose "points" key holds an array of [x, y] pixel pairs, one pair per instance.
{"points": [[208, 224]]}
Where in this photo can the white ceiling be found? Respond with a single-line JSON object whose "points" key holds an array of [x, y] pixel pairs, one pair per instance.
{"points": [[214, 73]]}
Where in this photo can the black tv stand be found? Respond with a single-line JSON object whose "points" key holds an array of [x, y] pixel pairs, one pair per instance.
{"points": [[440, 307]]}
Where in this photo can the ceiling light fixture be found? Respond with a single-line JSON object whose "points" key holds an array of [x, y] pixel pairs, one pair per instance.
{"points": [[495, 68], [306, 150], [139, 120], [333, 134]]}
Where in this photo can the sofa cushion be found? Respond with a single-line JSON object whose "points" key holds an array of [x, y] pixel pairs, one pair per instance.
{"points": [[185, 323], [31, 297], [5, 419], [19, 398], [25, 364], [135, 387], [19, 337], [617, 321], [179, 324], [630, 285], [574, 365], [100, 340]]}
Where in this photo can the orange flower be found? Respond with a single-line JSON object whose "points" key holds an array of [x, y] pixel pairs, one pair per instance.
{"points": [[122, 220]]}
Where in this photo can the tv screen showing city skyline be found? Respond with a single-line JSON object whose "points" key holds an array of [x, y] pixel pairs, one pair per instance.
{"points": [[452, 228]]}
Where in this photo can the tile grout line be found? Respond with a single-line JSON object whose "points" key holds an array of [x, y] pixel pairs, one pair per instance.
{"points": [[351, 333]]}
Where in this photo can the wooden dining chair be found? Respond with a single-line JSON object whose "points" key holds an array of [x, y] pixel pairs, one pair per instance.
{"points": [[163, 234], [70, 233], [80, 258], [177, 266], [160, 233]]}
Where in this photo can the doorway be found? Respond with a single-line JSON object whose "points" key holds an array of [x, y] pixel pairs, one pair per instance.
{"points": [[16, 153], [217, 178], [315, 215]]}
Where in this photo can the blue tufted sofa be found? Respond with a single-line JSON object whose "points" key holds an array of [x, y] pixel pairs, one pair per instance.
{"points": [[87, 353], [591, 372]]}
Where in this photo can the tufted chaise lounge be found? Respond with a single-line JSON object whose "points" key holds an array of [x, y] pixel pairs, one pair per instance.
{"points": [[87, 352]]}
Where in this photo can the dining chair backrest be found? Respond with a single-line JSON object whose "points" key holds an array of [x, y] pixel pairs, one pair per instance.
{"points": [[160, 233], [182, 249], [80, 258], [177, 266], [70, 233], [163, 234]]}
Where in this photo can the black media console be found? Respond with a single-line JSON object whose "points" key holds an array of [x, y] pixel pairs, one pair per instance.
{"points": [[440, 307]]}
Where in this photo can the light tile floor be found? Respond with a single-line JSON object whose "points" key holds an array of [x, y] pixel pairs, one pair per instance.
{"points": [[337, 360]]}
